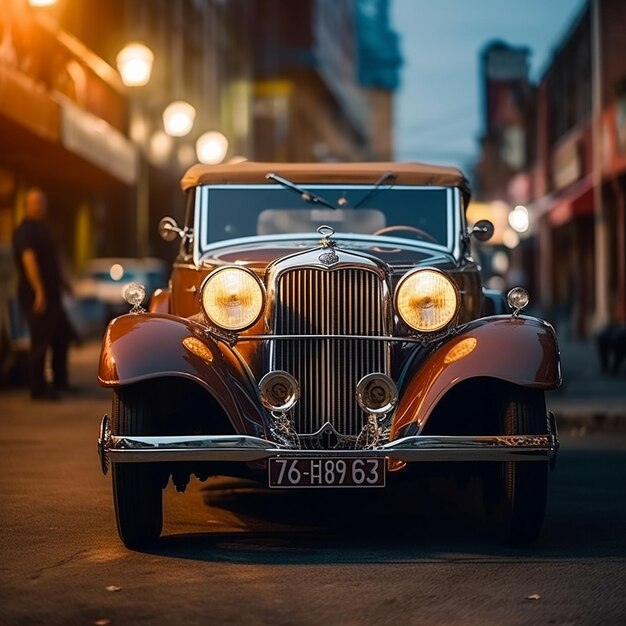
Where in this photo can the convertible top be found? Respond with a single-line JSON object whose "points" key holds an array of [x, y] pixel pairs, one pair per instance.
{"points": [[333, 173]]}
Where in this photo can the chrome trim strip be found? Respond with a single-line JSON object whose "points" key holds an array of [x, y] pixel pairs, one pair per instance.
{"points": [[199, 240], [135, 449], [333, 337]]}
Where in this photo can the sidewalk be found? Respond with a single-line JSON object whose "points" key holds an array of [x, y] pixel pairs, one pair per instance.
{"points": [[84, 366], [588, 398]]}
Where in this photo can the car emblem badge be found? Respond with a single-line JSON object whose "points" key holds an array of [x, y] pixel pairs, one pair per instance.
{"points": [[329, 257]]}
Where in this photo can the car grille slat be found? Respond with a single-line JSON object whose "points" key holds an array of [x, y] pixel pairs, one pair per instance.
{"points": [[327, 303]]}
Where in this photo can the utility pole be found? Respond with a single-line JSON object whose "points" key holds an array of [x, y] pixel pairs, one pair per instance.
{"points": [[601, 312]]}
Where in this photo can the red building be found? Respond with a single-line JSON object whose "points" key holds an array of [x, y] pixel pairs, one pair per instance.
{"points": [[574, 174], [580, 172]]}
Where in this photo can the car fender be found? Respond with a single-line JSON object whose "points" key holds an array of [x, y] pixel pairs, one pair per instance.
{"points": [[160, 301], [521, 350], [145, 346]]}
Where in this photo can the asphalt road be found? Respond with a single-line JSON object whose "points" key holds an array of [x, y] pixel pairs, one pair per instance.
{"points": [[237, 554]]}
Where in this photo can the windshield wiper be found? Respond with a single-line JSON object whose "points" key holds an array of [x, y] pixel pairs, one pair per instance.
{"points": [[377, 185], [307, 196]]}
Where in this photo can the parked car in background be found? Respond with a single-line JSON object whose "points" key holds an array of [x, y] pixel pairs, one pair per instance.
{"points": [[14, 337], [326, 326], [98, 292]]}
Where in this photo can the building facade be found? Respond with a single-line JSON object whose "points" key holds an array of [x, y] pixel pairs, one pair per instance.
{"points": [[324, 76], [304, 81], [97, 147], [573, 177]]}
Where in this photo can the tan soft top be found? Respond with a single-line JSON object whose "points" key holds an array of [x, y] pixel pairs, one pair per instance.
{"points": [[332, 173]]}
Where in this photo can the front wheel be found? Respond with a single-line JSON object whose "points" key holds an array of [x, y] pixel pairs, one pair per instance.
{"points": [[515, 492], [137, 490]]}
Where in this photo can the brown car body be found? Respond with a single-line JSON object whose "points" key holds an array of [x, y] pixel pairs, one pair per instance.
{"points": [[189, 396]]}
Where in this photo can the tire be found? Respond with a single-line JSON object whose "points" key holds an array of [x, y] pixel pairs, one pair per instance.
{"points": [[515, 493], [137, 490]]}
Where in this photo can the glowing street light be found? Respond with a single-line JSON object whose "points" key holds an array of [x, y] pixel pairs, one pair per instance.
{"points": [[519, 219], [134, 63], [211, 147], [510, 238], [178, 118], [160, 147], [186, 155], [41, 3]]}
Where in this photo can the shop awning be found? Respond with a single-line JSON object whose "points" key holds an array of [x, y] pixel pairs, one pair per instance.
{"points": [[51, 136], [575, 201]]}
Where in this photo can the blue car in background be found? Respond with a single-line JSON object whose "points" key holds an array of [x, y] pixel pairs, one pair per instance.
{"points": [[98, 292]]}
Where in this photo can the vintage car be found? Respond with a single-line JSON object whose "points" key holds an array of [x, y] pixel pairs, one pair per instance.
{"points": [[325, 326]]}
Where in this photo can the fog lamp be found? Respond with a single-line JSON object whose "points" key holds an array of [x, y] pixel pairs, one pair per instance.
{"points": [[376, 393], [134, 293], [517, 299], [279, 391]]}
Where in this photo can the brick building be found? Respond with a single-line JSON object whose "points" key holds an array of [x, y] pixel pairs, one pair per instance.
{"points": [[573, 176]]}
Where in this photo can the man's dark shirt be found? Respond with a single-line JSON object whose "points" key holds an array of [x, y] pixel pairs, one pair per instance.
{"points": [[36, 236]]}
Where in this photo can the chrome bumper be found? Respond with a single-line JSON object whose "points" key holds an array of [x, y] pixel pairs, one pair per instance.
{"points": [[139, 449]]}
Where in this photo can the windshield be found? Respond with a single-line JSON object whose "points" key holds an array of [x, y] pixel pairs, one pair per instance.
{"points": [[416, 213]]}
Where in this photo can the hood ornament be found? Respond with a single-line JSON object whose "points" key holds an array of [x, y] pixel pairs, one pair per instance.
{"points": [[330, 257]]}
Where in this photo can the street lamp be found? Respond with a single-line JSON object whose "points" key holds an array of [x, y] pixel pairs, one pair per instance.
{"points": [[510, 238], [160, 147], [134, 63], [186, 156], [211, 147], [519, 220], [178, 118]]}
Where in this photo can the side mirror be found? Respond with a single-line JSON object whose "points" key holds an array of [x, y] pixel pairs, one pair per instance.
{"points": [[168, 229], [482, 230]]}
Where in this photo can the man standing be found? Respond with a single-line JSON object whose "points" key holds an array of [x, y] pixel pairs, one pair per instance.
{"points": [[40, 287]]}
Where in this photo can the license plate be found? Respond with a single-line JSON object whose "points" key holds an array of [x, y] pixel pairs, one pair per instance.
{"points": [[288, 473]]}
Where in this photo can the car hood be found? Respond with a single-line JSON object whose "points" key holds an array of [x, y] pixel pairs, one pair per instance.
{"points": [[258, 252]]}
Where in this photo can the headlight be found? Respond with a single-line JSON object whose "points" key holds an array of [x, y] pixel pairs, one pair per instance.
{"points": [[426, 300], [232, 298]]}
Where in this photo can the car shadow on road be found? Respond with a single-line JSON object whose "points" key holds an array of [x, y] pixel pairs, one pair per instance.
{"points": [[441, 523]]}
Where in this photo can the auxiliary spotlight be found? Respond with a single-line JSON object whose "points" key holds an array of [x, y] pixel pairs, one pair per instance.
{"points": [[279, 391], [376, 394]]}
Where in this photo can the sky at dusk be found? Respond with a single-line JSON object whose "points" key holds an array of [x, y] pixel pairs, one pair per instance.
{"points": [[437, 107]]}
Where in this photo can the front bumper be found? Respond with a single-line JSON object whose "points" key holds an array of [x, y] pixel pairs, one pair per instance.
{"points": [[242, 448]]}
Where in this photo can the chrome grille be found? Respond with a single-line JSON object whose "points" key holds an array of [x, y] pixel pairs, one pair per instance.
{"points": [[325, 303]]}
